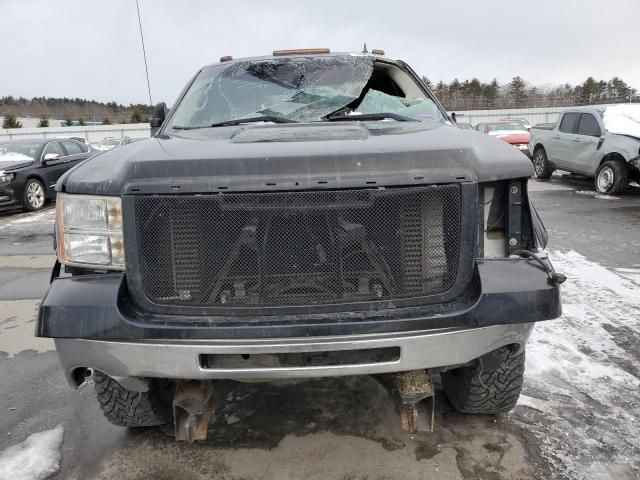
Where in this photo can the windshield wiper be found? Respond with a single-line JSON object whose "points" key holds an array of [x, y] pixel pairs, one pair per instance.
{"points": [[369, 117], [239, 121], [261, 118]]}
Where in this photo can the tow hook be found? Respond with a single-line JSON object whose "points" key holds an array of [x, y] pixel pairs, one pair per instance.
{"points": [[414, 397], [193, 407], [555, 278]]}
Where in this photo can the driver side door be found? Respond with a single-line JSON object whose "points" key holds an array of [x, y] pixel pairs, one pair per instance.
{"points": [[53, 168], [585, 145]]}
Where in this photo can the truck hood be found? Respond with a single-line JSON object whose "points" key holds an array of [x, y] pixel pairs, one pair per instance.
{"points": [[298, 156]]}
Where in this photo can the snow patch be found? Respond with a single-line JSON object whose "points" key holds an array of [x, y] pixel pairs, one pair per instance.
{"points": [[33, 217], [585, 367], [38, 457], [597, 195], [14, 157]]}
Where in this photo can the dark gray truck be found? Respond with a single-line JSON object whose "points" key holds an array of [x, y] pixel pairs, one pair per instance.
{"points": [[305, 214], [602, 142]]}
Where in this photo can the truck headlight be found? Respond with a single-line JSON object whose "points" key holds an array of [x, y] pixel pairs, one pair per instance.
{"points": [[89, 231]]}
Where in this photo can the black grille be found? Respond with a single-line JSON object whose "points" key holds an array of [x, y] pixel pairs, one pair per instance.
{"points": [[298, 248]]}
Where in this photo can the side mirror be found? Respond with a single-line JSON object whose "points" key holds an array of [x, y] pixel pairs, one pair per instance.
{"points": [[159, 114], [51, 156]]}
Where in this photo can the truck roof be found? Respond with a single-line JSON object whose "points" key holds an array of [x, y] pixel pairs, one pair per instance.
{"points": [[302, 53]]}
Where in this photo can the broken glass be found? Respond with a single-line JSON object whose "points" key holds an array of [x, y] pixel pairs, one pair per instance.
{"points": [[422, 109], [300, 88]]}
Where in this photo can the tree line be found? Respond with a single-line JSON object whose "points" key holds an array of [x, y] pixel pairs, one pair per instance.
{"points": [[518, 93], [73, 111]]}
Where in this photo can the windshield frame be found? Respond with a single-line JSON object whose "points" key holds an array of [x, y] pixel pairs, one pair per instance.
{"points": [[167, 126]]}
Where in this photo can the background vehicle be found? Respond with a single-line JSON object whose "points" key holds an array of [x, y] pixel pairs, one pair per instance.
{"points": [[603, 143], [108, 143], [357, 248], [513, 132], [523, 121], [29, 169]]}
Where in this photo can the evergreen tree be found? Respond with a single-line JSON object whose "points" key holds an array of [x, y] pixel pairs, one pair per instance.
{"points": [[106, 121], [517, 90], [81, 122], [10, 121], [68, 122], [44, 122]]}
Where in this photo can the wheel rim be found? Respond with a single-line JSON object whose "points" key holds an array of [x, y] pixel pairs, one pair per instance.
{"points": [[606, 178], [538, 164], [35, 195]]}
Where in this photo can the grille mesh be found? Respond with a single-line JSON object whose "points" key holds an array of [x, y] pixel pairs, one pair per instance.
{"points": [[298, 248]]}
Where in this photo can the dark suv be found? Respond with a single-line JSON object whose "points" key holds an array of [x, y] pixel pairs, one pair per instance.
{"points": [[305, 214]]}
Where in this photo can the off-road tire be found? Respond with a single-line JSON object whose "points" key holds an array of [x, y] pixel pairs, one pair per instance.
{"points": [[126, 408], [491, 385], [541, 164], [34, 195], [619, 172]]}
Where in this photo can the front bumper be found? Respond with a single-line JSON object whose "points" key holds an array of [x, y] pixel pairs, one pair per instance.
{"points": [[97, 325], [182, 360], [9, 198]]}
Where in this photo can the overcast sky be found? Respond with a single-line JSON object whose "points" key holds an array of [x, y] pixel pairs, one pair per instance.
{"points": [[91, 49]]}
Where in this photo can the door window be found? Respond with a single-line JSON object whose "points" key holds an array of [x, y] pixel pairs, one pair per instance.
{"points": [[569, 123], [53, 147], [72, 148], [589, 126]]}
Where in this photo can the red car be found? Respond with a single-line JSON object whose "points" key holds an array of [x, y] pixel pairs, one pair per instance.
{"points": [[512, 132]]}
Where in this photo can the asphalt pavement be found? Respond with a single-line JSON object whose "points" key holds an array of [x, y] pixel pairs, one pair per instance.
{"points": [[575, 419]]}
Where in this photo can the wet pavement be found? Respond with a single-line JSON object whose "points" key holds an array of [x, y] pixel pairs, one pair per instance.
{"points": [[578, 416]]}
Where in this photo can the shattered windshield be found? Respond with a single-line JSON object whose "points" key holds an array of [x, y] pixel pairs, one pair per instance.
{"points": [[301, 89]]}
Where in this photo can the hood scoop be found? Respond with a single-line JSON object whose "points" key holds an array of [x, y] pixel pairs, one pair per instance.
{"points": [[300, 133]]}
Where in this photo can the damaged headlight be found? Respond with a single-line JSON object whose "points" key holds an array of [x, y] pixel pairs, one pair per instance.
{"points": [[89, 231]]}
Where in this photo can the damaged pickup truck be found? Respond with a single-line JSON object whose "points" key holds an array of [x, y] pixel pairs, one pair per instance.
{"points": [[304, 214]]}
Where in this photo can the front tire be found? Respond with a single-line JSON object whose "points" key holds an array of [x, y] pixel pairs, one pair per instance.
{"points": [[34, 196], [491, 385], [611, 178], [126, 408], [541, 164]]}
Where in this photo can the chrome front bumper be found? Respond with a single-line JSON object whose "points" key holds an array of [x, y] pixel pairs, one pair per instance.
{"points": [[181, 359]]}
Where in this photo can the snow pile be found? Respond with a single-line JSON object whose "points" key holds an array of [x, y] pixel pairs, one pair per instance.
{"points": [[623, 119], [583, 373], [36, 458]]}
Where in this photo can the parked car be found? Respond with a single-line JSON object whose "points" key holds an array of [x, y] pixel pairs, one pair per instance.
{"points": [[80, 139], [315, 214], [599, 142], [465, 125], [512, 132], [523, 121], [108, 143], [29, 169]]}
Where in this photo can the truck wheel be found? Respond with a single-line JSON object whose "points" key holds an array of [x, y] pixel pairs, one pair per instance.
{"points": [[126, 408], [541, 164], [491, 385], [611, 177], [34, 195]]}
